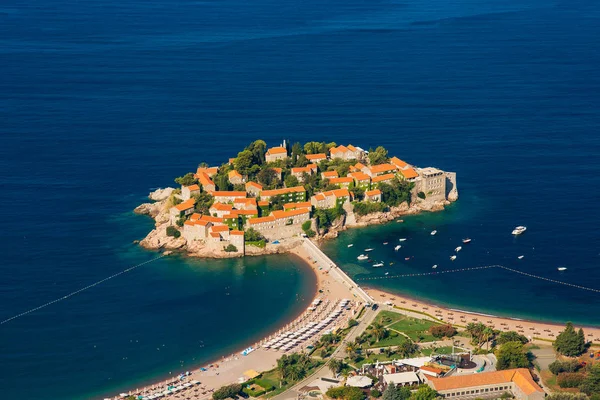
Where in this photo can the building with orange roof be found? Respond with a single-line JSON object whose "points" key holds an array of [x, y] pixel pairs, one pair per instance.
{"points": [[207, 184], [227, 196], [316, 158], [299, 172], [398, 163], [289, 195], [181, 209], [387, 178], [343, 182], [329, 174], [235, 178], [237, 219], [231, 161], [188, 191], [220, 209], [361, 179], [213, 220], [331, 199], [253, 188], [517, 382], [293, 206], [278, 172], [196, 229], [373, 195], [209, 171], [346, 152], [281, 224], [276, 153], [409, 174], [381, 169], [245, 204], [431, 371]]}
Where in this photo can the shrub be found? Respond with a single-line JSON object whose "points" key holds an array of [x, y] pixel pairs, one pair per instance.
{"points": [[306, 225], [421, 195], [375, 393], [346, 393], [558, 367], [225, 392], [252, 235], [180, 221], [365, 208], [440, 331], [352, 322], [570, 379], [172, 231], [230, 248]]}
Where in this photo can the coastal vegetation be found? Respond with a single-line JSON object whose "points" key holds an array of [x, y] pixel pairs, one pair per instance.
{"points": [[172, 231], [569, 342], [441, 331], [227, 392], [346, 393], [365, 208], [513, 355]]}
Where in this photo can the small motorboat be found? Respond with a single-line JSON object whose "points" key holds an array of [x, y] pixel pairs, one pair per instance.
{"points": [[397, 247], [391, 263], [350, 245], [520, 257], [367, 250], [562, 268], [435, 266], [452, 258], [406, 258], [459, 248], [433, 232], [387, 273], [362, 257], [402, 239], [519, 230], [385, 243], [466, 240], [378, 265]]}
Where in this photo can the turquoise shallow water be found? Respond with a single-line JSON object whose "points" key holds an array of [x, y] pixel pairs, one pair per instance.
{"points": [[102, 101]]}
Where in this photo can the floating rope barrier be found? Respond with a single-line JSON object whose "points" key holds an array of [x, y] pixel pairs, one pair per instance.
{"points": [[79, 291], [449, 271]]}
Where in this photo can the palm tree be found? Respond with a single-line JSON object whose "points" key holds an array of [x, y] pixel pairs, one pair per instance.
{"points": [[335, 366], [488, 332], [378, 331]]}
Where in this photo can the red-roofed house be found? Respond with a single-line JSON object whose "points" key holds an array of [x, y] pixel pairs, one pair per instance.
{"points": [[331, 199], [196, 230], [235, 178], [398, 163], [361, 179], [381, 169], [343, 182], [329, 174], [373, 195], [288, 195], [346, 152], [227, 197], [253, 188], [219, 210], [276, 153], [181, 209], [316, 158], [210, 172], [409, 174], [299, 172], [207, 184], [188, 191], [387, 178]]}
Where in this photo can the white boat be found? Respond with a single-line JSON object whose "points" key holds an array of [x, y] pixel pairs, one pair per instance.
{"points": [[435, 266], [397, 247], [433, 232], [368, 250], [459, 248], [378, 265], [350, 245], [402, 240], [520, 257], [519, 230], [385, 243], [453, 258], [387, 273], [562, 268], [362, 257], [466, 240]]}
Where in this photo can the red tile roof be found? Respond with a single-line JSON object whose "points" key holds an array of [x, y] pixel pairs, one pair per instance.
{"points": [[382, 168], [360, 176], [381, 178], [221, 207], [276, 150], [409, 173], [398, 162], [319, 156], [228, 194], [291, 206], [345, 179], [192, 188], [288, 214], [186, 205], [236, 233], [254, 184], [276, 192], [220, 228], [234, 174], [521, 377], [374, 192], [330, 174], [260, 220]]}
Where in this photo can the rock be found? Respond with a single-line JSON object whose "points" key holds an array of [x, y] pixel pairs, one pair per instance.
{"points": [[167, 253], [158, 239], [161, 194], [144, 209], [136, 241]]}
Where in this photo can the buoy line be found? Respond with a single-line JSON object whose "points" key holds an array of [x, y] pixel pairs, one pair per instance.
{"points": [[79, 291]]}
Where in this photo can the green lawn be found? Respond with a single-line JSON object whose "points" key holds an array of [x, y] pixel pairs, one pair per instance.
{"points": [[438, 350], [387, 317], [393, 339], [414, 328], [373, 358], [272, 377]]}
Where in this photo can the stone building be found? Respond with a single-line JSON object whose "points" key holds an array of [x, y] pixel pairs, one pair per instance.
{"points": [[276, 153], [373, 195], [188, 191], [361, 179], [329, 174], [330, 199], [289, 195], [227, 196], [346, 152], [381, 169], [280, 224], [409, 174], [316, 158], [220, 209], [196, 230], [387, 178], [432, 183], [207, 184], [299, 172], [235, 178], [342, 182], [185, 208], [253, 188]]}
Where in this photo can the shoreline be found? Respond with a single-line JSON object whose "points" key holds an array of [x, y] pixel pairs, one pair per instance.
{"points": [[231, 366], [542, 331]]}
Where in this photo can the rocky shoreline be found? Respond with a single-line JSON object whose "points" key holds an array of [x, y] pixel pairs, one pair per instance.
{"points": [[157, 239]]}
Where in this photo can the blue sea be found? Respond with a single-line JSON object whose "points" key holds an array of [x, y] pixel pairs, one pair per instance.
{"points": [[102, 101]]}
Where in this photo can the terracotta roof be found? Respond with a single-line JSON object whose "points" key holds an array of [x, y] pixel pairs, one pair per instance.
{"points": [[337, 193], [382, 168], [278, 170], [215, 235], [208, 171], [231, 160], [277, 150], [204, 179], [359, 166], [373, 192], [214, 220], [186, 205], [220, 228], [254, 184], [291, 206], [319, 197], [319, 156], [308, 169], [398, 162], [352, 148], [201, 222], [409, 173], [244, 212], [345, 179], [276, 192], [330, 174], [255, 221], [263, 203], [189, 223], [228, 194], [193, 187], [221, 207], [236, 233], [248, 200], [521, 377], [234, 174], [382, 178], [195, 216], [432, 369], [360, 176], [288, 214], [339, 149]]}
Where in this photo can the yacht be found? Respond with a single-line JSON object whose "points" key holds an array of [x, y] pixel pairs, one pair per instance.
{"points": [[367, 250], [350, 245], [362, 257], [385, 243], [397, 247], [387, 273], [562, 268], [519, 230], [452, 258], [433, 232], [459, 248], [402, 239], [520, 257], [466, 240], [435, 266], [378, 265]]}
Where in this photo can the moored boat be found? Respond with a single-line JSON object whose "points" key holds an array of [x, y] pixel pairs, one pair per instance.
{"points": [[562, 268], [433, 232], [520, 257], [452, 258], [367, 250], [435, 266], [378, 265], [362, 257], [519, 230], [459, 248], [466, 240], [350, 245], [397, 247], [402, 239]]}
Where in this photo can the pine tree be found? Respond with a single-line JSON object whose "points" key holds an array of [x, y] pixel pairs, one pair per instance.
{"points": [[569, 342]]}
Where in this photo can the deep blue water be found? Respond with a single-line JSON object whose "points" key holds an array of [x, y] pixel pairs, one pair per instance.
{"points": [[100, 101]]}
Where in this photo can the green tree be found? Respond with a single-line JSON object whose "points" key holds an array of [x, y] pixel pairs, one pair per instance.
{"points": [[243, 162], [567, 396], [591, 385], [267, 177], [203, 203], [378, 331], [511, 336], [375, 393], [569, 342], [352, 323], [512, 355], [407, 349], [392, 392], [297, 150], [335, 366], [378, 156], [186, 180], [226, 392], [346, 393], [556, 367], [424, 393], [252, 235], [173, 232], [230, 248], [291, 181], [258, 148]]}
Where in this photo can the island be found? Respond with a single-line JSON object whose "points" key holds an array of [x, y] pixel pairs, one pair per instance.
{"points": [[265, 200]]}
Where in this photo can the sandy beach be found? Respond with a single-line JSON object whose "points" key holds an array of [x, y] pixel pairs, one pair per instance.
{"points": [[531, 329]]}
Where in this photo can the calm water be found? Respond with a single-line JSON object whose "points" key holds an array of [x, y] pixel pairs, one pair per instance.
{"points": [[101, 101]]}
